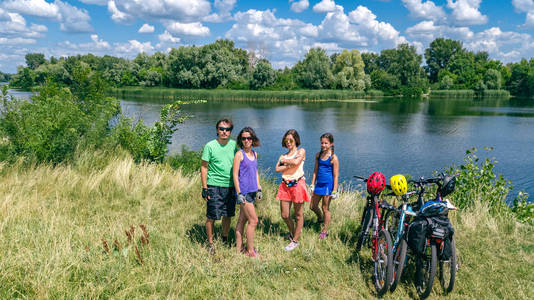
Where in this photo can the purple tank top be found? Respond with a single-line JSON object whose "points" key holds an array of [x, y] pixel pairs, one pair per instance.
{"points": [[248, 182]]}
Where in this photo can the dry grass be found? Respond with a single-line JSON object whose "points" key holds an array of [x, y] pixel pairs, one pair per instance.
{"points": [[54, 222]]}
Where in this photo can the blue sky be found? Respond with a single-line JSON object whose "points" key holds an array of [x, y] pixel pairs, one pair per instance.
{"points": [[282, 31]]}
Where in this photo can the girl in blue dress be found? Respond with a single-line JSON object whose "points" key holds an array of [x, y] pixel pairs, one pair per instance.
{"points": [[324, 181]]}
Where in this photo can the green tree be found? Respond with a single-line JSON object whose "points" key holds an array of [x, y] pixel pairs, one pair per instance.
{"points": [[34, 60], [263, 75], [370, 61], [492, 79], [439, 54], [348, 70], [314, 71], [446, 83]]}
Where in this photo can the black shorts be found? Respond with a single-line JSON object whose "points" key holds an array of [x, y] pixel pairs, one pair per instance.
{"points": [[221, 202]]}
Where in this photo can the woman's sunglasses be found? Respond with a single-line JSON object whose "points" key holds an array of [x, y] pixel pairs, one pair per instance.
{"points": [[244, 138]]}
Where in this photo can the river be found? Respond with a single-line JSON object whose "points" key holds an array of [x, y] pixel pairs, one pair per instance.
{"points": [[393, 136]]}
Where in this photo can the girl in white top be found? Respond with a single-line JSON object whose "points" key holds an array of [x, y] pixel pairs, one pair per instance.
{"points": [[293, 187]]}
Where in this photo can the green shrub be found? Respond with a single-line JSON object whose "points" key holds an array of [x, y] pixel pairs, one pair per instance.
{"points": [[54, 123], [149, 143], [187, 160], [478, 182], [523, 210]]}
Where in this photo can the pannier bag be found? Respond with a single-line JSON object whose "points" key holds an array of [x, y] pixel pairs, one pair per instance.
{"points": [[430, 227]]}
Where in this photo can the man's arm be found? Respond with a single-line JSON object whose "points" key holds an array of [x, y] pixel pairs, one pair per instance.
{"points": [[204, 175]]}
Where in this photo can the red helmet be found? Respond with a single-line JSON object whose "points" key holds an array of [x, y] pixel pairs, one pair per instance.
{"points": [[376, 183]]}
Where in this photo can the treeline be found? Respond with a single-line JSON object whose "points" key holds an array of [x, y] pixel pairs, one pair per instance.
{"points": [[4, 77], [398, 71]]}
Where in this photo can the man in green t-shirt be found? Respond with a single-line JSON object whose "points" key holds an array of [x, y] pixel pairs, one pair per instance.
{"points": [[216, 177]]}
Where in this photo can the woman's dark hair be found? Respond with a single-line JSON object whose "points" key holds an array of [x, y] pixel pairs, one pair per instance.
{"points": [[330, 138], [255, 139], [227, 121], [295, 136]]}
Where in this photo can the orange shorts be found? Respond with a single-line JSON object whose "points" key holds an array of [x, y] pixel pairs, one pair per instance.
{"points": [[295, 194]]}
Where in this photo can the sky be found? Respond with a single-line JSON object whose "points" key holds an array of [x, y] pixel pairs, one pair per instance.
{"points": [[281, 31]]}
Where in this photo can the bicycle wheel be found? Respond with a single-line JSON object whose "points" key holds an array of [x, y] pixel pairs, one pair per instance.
{"points": [[425, 270], [399, 260], [392, 223], [383, 262], [364, 231], [447, 270]]}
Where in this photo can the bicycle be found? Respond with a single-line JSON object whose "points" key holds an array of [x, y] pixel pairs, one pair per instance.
{"points": [[435, 213], [380, 242], [398, 219]]}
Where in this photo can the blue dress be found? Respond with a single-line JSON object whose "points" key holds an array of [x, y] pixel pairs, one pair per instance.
{"points": [[325, 177]]}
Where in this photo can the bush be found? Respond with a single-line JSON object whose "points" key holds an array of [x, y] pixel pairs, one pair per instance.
{"points": [[54, 123], [187, 160], [149, 143]]}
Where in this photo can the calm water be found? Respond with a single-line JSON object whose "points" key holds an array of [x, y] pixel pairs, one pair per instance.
{"points": [[392, 136]]}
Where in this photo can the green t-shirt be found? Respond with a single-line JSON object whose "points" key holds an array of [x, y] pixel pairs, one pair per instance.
{"points": [[220, 159]]}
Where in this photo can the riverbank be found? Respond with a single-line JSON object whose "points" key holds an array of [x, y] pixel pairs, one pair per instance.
{"points": [[54, 222], [170, 94]]}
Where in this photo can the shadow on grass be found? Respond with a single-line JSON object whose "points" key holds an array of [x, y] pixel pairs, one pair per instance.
{"points": [[197, 233], [269, 227]]}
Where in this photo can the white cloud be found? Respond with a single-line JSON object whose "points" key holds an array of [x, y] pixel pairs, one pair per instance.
{"points": [[132, 48], [224, 7], [424, 10], [465, 12], [185, 11], [523, 5], [275, 38], [146, 29], [14, 25], [16, 41], [96, 46], [119, 16], [166, 37], [427, 31], [72, 19], [299, 5], [96, 2], [37, 8], [336, 26], [374, 31], [324, 6], [526, 6], [195, 29]]}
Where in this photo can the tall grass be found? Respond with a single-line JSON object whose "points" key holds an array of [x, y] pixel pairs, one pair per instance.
{"points": [[167, 94], [56, 220], [452, 93], [468, 94]]}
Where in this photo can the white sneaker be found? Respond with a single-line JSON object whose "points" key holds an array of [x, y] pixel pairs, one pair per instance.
{"points": [[291, 246]]}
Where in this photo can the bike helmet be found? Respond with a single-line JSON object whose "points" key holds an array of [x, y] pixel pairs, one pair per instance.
{"points": [[398, 184], [448, 185], [376, 183]]}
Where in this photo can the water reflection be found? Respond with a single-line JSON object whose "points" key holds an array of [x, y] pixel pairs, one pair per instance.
{"points": [[393, 135]]}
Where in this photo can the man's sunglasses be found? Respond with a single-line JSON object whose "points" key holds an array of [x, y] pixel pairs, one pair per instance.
{"points": [[225, 128]]}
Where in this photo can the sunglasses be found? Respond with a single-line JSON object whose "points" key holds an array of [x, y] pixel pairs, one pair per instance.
{"points": [[245, 138], [225, 128], [289, 141]]}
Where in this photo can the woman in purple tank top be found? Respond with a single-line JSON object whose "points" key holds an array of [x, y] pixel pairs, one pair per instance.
{"points": [[248, 189]]}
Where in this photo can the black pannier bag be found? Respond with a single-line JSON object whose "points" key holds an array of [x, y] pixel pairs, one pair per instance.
{"points": [[416, 236], [442, 228], [430, 227]]}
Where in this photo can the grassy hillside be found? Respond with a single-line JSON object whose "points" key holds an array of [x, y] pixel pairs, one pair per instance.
{"points": [[53, 221]]}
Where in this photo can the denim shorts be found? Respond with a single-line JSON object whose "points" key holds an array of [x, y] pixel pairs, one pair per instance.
{"points": [[249, 198], [221, 202]]}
